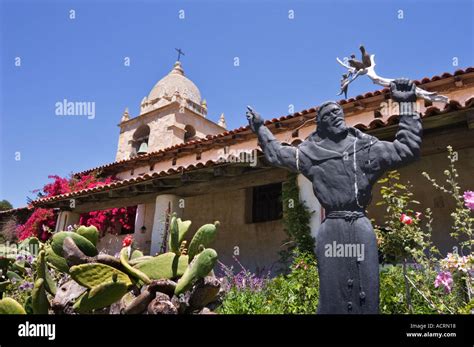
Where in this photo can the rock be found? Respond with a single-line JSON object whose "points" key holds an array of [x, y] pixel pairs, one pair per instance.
{"points": [[204, 292], [162, 296], [161, 307], [65, 296], [115, 308], [164, 286], [205, 310], [181, 303], [155, 290]]}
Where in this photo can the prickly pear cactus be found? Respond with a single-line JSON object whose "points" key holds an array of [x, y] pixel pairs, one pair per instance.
{"points": [[204, 236], [131, 270], [94, 274], [135, 261], [11, 306], [42, 272], [203, 263], [40, 303], [41, 265], [164, 266], [56, 261], [101, 296], [174, 235], [183, 227], [91, 233], [178, 230], [84, 244], [136, 254]]}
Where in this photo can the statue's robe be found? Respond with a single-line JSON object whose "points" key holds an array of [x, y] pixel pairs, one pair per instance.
{"points": [[346, 284]]}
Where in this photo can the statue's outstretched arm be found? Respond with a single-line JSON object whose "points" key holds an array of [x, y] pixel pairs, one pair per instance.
{"points": [[275, 153], [406, 147]]}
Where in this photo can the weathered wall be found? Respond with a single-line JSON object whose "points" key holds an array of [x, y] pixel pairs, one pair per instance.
{"points": [[258, 243], [110, 244]]}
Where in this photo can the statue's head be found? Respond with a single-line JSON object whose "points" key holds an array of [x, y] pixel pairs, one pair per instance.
{"points": [[330, 119]]}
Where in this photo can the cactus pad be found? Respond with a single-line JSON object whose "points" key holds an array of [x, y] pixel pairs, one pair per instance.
{"points": [[91, 233], [204, 236], [11, 306], [101, 296], [40, 301], [203, 263], [55, 260], [84, 244], [131, 270], [94, 274], [174, 235], [164, 266]]}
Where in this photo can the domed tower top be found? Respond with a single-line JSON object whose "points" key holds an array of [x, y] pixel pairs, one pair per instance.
{"points": [[171, 114], [174, 87]]}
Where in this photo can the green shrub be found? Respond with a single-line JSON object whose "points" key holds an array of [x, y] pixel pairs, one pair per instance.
{"points": [[243, 301], [425, 299], [297, 292], [296, 221], [294, 293]]}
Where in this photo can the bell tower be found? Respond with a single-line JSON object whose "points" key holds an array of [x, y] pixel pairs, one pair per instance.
{"points": [[172, 113]]}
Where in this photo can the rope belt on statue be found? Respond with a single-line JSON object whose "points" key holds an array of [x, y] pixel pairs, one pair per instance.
{"points": [[349, 216]]}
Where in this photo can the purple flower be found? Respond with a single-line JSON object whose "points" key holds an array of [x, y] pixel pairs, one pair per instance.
{"points": [[242, 280], [26, 286], [469, 199], [20, 257], [445, 279]]}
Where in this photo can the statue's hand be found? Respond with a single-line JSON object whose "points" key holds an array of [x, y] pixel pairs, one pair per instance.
{"points": [[403, 90], [255, 120]]}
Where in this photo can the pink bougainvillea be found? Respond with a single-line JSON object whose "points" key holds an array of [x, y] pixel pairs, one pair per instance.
{"points": [[37, 225], [112, 220], [59, 186]]}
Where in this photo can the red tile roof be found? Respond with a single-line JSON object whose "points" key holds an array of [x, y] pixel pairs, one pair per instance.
{"points": [[130, 181], [453, 105]]}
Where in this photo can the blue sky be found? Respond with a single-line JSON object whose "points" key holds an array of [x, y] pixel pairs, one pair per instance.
{"points": [[282, 61]]}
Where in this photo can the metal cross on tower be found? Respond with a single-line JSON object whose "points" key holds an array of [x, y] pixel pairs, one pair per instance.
{"points": [[180, 52]]}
